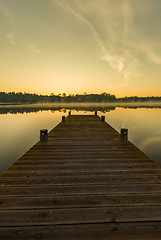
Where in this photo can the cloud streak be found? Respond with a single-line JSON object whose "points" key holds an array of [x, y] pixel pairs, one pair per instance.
{"points": [[33, 47], [7, 12], [120, 38], [111, 44], [11, 38]]}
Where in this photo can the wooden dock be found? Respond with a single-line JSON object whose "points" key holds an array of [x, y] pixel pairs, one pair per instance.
{"points": [[84, 183]]}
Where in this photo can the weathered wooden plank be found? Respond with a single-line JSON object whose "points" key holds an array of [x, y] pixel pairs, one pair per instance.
{"points": [[42, 190], [86, 150], [75, 143], [80, 180], [112, 231], [49, 155], [71, 165], [75, 201], [79, 215], [93, 169], [60, 162], [116, 172]]}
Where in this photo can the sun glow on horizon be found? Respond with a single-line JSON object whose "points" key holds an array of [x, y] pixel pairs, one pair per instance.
{"points": [[81, 46]]}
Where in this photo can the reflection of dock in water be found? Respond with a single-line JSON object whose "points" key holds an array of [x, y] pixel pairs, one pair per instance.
{"points": [[84, 182]]}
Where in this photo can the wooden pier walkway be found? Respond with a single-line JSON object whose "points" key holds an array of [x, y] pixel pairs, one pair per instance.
{"points": [[84, 183]]}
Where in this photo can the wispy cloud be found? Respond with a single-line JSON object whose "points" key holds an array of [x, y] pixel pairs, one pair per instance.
{"points": [[7, 12], [11, 38], [120, 38], [22, 42], [115, 24], [151, 52], [33, 47]]}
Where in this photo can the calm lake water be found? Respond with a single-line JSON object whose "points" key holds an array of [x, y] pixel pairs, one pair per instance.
{"points": [[20, 127]]}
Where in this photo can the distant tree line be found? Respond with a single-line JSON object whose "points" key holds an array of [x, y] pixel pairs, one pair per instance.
{"points": [[19, 97], [139, 99]]}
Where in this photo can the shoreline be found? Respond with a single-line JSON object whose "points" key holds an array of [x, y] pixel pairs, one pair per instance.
{"points": [[82, 104]]}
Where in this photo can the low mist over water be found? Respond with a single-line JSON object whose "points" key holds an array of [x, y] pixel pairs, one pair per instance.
{"points": [[21, 124], [64, 107]]}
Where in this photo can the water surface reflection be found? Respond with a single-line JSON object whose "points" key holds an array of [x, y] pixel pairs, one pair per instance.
{"points": [[20, 126]]}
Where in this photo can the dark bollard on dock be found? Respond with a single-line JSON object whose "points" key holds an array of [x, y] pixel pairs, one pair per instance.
{"points": [[124, 133], [95, 113], [43, 135], [102, 118], [63, 118]]}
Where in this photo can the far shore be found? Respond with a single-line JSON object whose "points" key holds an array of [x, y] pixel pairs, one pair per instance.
{"points": [[75, 104]]}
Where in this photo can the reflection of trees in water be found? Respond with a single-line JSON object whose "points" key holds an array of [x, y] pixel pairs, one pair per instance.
{"points": [[21, 110], [103, 109]]}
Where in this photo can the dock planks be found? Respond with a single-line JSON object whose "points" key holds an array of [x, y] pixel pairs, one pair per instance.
{"points": [[83, 183]]}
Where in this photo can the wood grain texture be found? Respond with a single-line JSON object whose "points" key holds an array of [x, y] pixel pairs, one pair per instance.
{"points": [[112, 231], [83, 183]]}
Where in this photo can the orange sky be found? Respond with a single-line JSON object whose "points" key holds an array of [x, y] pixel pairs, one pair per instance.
{"points": [[81, 46]]}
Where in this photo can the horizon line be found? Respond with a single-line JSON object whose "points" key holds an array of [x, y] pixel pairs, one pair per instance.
{"points": [[74, 94]]}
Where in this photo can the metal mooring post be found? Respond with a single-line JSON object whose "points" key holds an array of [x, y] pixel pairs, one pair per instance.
{"points": [[95, 113], [124, 133], [63, 118], [69, 113], [102, 118], [43, 135]]}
